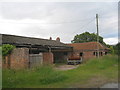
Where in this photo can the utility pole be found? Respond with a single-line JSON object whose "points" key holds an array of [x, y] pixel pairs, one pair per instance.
{"points": [[97, 36]]}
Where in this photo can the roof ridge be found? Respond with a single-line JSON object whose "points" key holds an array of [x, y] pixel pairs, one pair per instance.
{"points": [[32, 39], [82, 42], [23, 36]]}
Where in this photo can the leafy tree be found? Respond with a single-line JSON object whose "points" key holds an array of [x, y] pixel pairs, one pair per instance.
{"points": [[108, 45], [117, 48], [87, 37], [6, 49], [112, 51]]}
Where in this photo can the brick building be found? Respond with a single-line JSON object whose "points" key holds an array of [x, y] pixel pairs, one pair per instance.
{"points": [[30, 52], [87, 50]]}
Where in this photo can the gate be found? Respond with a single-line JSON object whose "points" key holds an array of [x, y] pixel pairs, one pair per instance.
{"points": [[35, 60]]}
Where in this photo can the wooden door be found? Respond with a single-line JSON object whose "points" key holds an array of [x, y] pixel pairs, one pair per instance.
{"points": [[35, 60]]}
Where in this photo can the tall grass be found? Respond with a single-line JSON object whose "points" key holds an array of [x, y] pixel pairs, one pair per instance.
{"points": [[102, 63], [37, 76], [47, 76], [104, 67]]}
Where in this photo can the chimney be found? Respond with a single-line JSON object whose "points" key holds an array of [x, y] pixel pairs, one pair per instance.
{"points": [[50, 38], [58, 39]]}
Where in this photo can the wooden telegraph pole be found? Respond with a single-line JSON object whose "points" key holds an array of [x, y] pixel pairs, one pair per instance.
{"points": [[97, 36]]}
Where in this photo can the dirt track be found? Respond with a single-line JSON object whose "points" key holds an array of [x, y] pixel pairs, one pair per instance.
{"points": [[66, 67]]}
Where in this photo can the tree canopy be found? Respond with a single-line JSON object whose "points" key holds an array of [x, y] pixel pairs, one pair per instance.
{"points": [[6, 49], [87, 37]]}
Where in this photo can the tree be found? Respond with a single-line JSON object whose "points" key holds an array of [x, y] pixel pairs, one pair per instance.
{"points": [[112, 51], [6, 49], [117, 49], [87, 37]]}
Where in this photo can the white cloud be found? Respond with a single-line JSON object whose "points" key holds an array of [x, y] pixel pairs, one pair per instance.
{"points": [[111, 41], [43, 20]]}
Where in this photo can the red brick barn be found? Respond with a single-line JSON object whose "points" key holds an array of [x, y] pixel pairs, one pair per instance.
{"points": [[87, 50], [30, 52]]}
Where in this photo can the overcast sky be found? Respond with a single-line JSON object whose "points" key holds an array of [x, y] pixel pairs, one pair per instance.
{"points": [[59, 19]]}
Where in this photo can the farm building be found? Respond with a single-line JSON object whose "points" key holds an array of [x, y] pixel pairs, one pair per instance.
{"points": [[30, 52], [87, 50]]}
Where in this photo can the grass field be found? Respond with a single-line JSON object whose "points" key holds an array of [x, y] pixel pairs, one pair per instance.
{"points": [[93, 73]]}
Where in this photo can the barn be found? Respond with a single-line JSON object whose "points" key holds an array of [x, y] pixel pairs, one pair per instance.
{"points": [[30, 52], [87, 50]]}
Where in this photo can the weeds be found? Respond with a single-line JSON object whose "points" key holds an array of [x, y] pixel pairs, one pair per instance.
{"points": [[47, 76]]}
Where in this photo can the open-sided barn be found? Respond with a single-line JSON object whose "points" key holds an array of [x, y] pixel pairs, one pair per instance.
{"points": [[32, 51]]}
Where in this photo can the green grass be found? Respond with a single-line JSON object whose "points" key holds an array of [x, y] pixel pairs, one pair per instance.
{"points": [[47, 77], [37, 76]]}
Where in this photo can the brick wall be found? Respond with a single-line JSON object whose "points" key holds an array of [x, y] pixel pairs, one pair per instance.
{"points": [[86, 54], [5, 62], [48, 58], [18, 58]]}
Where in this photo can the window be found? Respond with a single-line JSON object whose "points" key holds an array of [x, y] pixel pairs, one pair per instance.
{"points": [[93, 53], [105, 53], [81, 53], [101, 53]]}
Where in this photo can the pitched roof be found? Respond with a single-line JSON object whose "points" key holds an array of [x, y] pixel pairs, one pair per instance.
{"points": [[87, 46], [13, 39]]}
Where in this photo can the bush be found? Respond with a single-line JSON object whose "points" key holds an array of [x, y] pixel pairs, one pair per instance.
{"points": [[6, 49]]}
